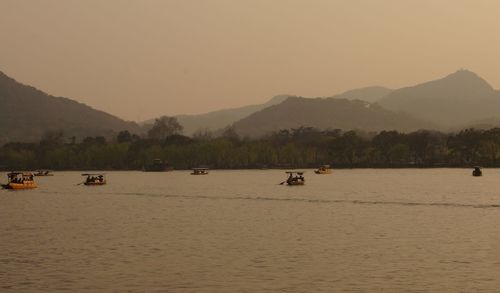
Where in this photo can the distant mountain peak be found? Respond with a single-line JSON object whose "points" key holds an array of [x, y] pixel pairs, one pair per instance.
{"points": [[278, 99], [463, 73], [454, 99], [464, 79]]}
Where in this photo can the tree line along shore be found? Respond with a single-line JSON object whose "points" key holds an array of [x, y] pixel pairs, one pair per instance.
{"points": [[303, 147]]}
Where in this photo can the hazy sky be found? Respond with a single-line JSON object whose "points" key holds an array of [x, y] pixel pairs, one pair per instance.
{"points": [[144, 58]]}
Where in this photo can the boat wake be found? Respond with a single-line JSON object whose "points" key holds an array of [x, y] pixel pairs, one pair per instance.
{"points": [[303, 200], [322, 201]]}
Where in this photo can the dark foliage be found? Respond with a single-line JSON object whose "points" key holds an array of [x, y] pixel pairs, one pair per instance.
{"points": [[302, 147]]}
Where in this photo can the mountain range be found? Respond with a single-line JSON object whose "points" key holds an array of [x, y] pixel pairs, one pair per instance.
{"points": [[326, 113], [455, 101], [222, 118], [217, 120]]}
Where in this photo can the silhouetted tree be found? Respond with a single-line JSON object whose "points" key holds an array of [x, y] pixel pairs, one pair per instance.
{"points": [[231, 134], [164, 127], [124, 136]]}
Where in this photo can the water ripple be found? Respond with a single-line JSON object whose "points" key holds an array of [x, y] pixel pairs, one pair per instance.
{"points": [[324, 201]]}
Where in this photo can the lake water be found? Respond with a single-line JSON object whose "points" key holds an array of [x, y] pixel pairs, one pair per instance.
{"points": [[239, 231]]}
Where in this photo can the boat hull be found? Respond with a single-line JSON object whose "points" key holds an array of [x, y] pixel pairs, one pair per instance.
{"points": [[94, 183], [323, 172], [199, 171], [295, 183], [19, 186]]}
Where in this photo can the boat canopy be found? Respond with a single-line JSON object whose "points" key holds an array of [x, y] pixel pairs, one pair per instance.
{"points": [[200, 169], [93, 174], [16, 173], [295, 172]]}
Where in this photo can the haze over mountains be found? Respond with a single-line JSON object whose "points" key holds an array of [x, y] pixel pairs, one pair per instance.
{"points": [[368, 94], [217, 120], [222, 118], [456, 101], [326, 113]]}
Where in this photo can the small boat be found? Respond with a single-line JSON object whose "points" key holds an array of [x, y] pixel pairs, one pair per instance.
{"points": [[20, 180], [158, 165], [295, 178], [325, 169], [43, 173], [94, 179], [477, 171], [200, 171]]}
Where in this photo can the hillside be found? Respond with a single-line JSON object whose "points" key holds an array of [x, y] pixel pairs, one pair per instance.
{"points": [[217, 120], [457, 99], [325, 113], [368, 94], [222, 118], [26, 113]]}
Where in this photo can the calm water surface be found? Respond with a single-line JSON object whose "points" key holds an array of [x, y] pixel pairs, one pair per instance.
{"points": [[238, 231]]}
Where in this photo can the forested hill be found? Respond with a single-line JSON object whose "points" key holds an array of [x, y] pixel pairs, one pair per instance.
{"points": [[326, 113], [222, 118], [461, 98], [216, 120], [370, 94], [26, 113]]}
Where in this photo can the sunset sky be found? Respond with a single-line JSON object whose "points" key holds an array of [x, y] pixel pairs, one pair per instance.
{"points": [[145, 58]]}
